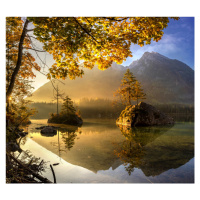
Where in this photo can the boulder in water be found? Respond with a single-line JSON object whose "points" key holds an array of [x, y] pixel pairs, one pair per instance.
{"points": [[49, 130], [143, 115]]}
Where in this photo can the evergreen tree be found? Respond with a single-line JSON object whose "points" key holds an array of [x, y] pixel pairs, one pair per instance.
{"points": [[68, 107], [139, 94], [67, 115], [126, 92], [130, 89]]}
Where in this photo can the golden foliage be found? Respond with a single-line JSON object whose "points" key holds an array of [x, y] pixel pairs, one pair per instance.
{"points": [[93, 40], [14, 26]]}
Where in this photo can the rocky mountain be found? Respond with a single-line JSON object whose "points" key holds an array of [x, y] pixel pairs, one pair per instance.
{"points": [[164, 80]]}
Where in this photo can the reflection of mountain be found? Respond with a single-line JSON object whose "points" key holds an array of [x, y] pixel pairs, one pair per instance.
{"points": [[94, 149], [90, 147], [154, 152], [162, 158]]}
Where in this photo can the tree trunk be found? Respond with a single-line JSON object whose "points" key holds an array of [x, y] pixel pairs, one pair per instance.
{"points": [[129, 97], [57, 100], [19, 60]]}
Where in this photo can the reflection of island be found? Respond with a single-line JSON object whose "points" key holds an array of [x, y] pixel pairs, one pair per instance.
{"points": [[154, 152], [90, 146], [93, 149], [152, 149]]}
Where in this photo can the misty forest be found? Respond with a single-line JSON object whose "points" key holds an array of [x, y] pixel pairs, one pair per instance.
{"points": [[80, 108]]}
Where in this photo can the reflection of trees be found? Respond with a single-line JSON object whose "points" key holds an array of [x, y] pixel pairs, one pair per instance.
{"points": [[69, 135], [132, 151], [68, 138]]}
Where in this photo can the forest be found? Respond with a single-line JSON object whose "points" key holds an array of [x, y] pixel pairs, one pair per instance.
{"points": [[104, 108]]}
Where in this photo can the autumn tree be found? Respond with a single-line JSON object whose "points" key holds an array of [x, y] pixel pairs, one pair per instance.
{"points": [[130, 89], [72, 40], [139, 93], [126, 91], [17, 109], [19, 65]]}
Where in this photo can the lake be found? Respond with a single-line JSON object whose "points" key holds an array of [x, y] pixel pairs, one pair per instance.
{"points": [[101, 152]]}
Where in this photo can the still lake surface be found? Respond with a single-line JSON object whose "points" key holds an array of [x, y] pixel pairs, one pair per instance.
{"points": [[101, 152]]}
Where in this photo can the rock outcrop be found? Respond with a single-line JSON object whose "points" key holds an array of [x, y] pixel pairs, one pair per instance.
{"points": [[143, 115], [48, 131]]}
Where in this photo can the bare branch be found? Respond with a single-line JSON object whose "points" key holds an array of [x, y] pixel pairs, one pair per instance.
{"points": [[34, 49], [36, 52], [31, 37], [30, 30]]}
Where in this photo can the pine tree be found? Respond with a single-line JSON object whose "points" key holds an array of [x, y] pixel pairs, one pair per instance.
{"points": [[139, 94], [127, 88], [67, 106], [130, 89]]}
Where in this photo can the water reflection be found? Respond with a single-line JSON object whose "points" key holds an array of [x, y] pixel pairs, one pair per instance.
{"points": [[48, 134], [68, 136], [104, 148], [90, 146], [183, 117], [155, 149]]}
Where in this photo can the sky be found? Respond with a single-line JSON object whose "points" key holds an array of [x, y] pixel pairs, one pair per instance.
{"points": [[176, 43]]}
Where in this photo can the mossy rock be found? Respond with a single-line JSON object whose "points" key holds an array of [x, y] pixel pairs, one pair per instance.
{"points": [[143, 115]]}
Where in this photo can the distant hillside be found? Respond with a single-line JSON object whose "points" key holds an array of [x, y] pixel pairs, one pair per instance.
{"points": [[94, 84], [164, 81]]}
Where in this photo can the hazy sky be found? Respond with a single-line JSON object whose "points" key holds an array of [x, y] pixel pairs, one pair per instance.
{"points": [[176, 43]]}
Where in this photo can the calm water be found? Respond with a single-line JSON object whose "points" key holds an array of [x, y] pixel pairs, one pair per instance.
{"points": [[101, 152]]}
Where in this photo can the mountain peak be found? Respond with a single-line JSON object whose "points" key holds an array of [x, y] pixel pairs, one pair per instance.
{"points": [[154, 55]]}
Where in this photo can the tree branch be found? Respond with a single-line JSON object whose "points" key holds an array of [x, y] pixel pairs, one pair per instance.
{"points": [[89, 22], [34, 66], [19, 60], [45, 180], [85, 30], [34, 49], [37, 53], [114, 19], [31, 37], [30, 30]]}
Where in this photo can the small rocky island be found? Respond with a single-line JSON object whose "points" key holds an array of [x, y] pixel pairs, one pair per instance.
{"points": [[143, 115], [68, 115], [68, 119]]}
